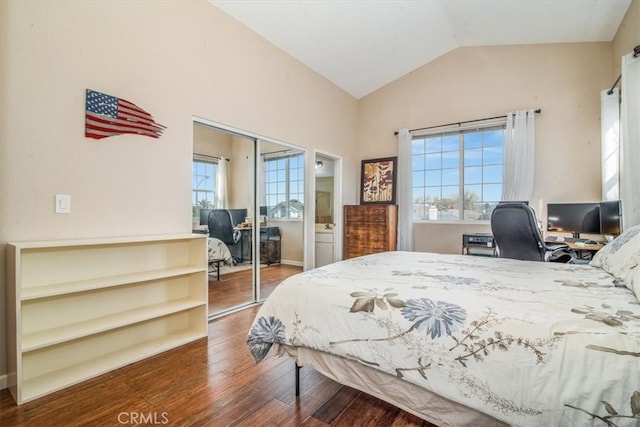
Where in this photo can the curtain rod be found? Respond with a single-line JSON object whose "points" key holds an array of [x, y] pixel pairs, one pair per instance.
{"points": [[211, 157], [464, 122], [636, 53], [610, 91], [280, 151]]}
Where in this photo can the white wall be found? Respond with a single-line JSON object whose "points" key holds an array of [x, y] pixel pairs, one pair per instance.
{"points": [[175, 59]]}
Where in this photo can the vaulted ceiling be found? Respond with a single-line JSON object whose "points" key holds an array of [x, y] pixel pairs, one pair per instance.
{"points": [[361, 45]]}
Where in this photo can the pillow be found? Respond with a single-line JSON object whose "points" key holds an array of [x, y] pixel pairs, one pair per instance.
{"points": [[634, 282], [621, 256]]}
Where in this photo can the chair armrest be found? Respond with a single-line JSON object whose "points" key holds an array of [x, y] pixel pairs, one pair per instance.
{"points": [[554, 247], [559, 253]]}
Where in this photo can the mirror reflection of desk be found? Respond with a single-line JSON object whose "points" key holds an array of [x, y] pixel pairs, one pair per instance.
{"points": [[270, 248]]}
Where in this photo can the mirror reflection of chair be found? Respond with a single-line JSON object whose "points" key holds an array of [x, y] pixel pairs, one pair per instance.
{"points": [[517, 235], [220, 226]]}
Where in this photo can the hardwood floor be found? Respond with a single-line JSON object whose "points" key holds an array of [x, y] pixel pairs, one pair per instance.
{"points": [[210, 382], [235, 288]]}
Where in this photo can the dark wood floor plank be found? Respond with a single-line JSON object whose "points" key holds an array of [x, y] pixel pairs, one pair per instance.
{"points": [[313, 422], [405, 419], [336, 405], [368, 411], [274, 413]]}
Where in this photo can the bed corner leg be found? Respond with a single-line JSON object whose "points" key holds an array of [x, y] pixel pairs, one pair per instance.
{"points": [[298, 379]]}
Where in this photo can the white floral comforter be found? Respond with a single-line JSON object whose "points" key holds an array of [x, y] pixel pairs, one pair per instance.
{"points": [[218, 250], [529, 343]]}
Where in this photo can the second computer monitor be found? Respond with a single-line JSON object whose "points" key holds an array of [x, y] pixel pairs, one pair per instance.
{"points": [[238, 215], [574, 218], [610, 217]]}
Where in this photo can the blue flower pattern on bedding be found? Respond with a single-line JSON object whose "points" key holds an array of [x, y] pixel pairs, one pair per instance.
{"points": [[434, 317], [265, 332]]}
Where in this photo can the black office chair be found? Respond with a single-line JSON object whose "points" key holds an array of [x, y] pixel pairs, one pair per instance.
{"points": [[517, 236], [221, 227]]}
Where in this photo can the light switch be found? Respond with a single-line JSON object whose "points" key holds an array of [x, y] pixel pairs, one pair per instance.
{"points": [[63, 203]]}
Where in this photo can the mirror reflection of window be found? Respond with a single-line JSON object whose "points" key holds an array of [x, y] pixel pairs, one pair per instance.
{"points": [[284, 184], [203, 185]]}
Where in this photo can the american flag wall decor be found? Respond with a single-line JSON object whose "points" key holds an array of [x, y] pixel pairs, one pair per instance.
{"points": [[108, 115]]}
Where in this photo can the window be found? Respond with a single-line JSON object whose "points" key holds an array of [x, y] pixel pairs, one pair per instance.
{"points": [[458, 175], [284, 181], [204, 185]]}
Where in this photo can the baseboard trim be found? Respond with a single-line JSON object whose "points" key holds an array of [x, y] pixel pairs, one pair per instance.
{"points": [[3, 381], [289, 262]]}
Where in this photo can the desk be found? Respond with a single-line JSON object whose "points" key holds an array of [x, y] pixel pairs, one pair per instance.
{"points": [[574, 246], [269, 244], [581, 252]]}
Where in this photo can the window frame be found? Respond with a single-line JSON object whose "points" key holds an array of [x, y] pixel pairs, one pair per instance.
{"points": [[459, 132], [198, 158], [287, 185]]}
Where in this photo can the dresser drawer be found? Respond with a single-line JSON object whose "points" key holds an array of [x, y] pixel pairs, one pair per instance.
{"points": [[369, 229], [365, 215]]}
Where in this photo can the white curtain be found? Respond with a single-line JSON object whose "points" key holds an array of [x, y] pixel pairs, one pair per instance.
{"points": [[221, 184], [519, 156], [253, 172], [404, 192], [262, 184], [610, 143], [630, 141]]}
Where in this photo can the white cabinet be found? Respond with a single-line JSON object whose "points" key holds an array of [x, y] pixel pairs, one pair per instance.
{"points": [[324, 249], [78, 309]]}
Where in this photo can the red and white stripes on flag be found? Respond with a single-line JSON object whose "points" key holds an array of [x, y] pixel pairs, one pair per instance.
{"points": [[107, 116]]}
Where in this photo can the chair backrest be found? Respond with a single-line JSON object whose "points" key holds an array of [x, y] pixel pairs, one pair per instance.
{"points": [[516, 232], [221, 226]]}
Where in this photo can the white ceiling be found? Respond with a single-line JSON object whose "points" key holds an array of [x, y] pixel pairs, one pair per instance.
{"points": [[361, 45]]}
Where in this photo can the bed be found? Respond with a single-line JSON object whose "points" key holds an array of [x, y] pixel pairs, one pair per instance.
{"points": [[217, 250], [462, 340]]}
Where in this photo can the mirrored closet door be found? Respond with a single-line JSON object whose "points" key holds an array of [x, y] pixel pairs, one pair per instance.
{"points": [[248, 197], [280, 201]]}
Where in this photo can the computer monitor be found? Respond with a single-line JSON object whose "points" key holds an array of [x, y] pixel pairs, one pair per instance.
{"points": [[263, 210], [610, 215], [238, 215], [204, 216], [574, 218]]}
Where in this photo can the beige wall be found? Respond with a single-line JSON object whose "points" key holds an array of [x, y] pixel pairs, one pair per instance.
{"points": [[176, 60], [211, 142], [564, 80]]}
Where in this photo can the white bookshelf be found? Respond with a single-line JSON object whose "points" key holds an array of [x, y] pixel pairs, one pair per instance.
{"points": [[78, 309]]}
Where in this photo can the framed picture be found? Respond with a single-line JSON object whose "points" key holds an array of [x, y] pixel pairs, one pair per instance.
{"points": [[378, 181]]}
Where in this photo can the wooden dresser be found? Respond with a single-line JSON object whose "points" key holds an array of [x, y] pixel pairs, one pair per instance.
{"points": [[369, 229]]}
